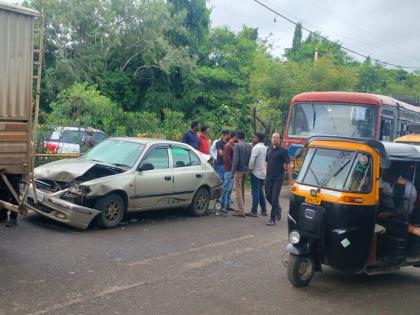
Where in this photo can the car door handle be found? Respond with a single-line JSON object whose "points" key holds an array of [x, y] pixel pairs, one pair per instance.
{"points": [[168, 178], [198, 175]]}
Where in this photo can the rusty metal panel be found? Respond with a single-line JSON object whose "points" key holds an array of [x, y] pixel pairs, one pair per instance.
{"points": [[16, 65]]}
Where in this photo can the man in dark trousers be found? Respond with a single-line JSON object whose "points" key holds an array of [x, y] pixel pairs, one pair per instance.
{"points": [[191, 137], [7, 196], [277, 157]]}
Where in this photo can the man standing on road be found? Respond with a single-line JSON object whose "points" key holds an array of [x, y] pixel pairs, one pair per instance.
{"points": [[219, 147], [240, 169], [6, 195], [258, 169], [277, 157], [227, 168], [191, 137]]}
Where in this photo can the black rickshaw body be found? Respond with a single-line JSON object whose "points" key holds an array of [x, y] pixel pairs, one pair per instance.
{"points": [[335, 200]]}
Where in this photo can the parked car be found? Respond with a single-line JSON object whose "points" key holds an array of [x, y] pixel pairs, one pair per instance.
{"points": [[121, 175], [70, 139]]}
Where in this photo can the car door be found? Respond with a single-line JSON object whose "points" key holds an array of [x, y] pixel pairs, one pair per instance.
{"points": [[154, 183], [188, 174]]}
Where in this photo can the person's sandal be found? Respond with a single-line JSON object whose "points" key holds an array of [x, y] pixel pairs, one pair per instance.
{"points": [[238, 214]]}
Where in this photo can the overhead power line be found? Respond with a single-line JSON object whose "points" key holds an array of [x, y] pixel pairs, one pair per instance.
{"points": [[329, 40]]}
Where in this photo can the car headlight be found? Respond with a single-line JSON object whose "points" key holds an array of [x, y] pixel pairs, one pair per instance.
{"points": [[294, 237], [80, 189]]}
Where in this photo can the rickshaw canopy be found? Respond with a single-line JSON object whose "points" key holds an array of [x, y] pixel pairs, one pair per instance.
{"points": [[387, 150]]}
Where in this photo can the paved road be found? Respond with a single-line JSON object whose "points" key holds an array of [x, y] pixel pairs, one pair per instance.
{"points": [[170, 263]]}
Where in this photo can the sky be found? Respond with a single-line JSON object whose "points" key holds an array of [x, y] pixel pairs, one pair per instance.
{"points": [[387, 30]]}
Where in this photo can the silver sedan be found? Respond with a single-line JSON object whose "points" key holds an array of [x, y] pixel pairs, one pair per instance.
{"points": [[121, 175]]}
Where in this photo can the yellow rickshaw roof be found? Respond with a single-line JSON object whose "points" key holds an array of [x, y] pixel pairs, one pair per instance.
{"points": [[412, 138]]}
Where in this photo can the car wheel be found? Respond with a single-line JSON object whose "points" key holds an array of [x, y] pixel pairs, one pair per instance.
{"points": [[300, 270], [200, 203], [112, 209]]}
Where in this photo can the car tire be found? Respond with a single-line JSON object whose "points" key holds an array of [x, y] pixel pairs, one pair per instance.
{"points": [[200, 203], [300, 270], [112, 209]]}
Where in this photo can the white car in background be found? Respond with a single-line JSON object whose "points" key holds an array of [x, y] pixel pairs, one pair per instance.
{"points": [[69, 139]]}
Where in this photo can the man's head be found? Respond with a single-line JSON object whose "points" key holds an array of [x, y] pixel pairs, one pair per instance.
{"points": [[258, 137], [233, 137], [204, 130], [225, 135], [195, 126], [275, 139], [89, 131], [241, 135]]}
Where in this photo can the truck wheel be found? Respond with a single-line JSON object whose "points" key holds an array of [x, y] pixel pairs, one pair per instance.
{"points": [[200, 203], [112, 209], [300, 270]]}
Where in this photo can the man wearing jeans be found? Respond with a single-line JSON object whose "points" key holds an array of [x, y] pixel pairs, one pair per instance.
{"points": [[240, 169], [257, 168], [227, 168], [277, 157], [220, 145]]}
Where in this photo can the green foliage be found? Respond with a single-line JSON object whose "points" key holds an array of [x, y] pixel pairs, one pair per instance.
{"points": [[297, 38], [150, 66]]}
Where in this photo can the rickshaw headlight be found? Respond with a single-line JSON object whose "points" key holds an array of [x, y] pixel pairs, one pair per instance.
{"points": [[294, 237]]}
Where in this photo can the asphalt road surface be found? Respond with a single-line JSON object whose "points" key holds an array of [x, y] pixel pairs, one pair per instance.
{"points": [[170, 263]]}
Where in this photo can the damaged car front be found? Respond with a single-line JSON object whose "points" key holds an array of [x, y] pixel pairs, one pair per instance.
{"points": [[96, 186]]}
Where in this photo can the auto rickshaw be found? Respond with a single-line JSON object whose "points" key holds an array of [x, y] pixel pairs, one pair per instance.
{"points": [[409, 139], [339, 213]]}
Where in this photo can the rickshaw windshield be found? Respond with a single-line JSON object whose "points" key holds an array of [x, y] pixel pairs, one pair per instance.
{"points": [[349, 171]]}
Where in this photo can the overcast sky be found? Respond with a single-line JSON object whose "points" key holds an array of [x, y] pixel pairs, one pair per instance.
{"points": [[388, 30]]}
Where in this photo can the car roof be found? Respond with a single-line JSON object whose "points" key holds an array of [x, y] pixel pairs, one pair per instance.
{"points": [[148, 140], [75, 129]]}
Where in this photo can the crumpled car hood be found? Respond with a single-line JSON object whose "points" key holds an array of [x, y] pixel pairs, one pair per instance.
{"points": [[64, 170]]}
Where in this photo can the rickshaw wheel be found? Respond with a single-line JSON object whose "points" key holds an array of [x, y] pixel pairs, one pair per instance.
{"points": [[300, 270]]}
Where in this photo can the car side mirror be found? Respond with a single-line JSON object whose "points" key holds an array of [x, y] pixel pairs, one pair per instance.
{"points": [[146, 167]]}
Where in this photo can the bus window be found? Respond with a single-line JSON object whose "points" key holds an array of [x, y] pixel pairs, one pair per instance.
{"points": [[332, 119]]}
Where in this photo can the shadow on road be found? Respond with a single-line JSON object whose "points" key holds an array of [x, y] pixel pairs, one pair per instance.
{"points": [[133, 219]]}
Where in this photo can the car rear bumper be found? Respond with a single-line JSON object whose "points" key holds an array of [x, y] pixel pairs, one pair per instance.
{"points": [[50, 205], [216, 192]]}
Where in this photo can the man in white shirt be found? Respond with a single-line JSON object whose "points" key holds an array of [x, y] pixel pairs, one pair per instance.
{"points": [[258, 173]]}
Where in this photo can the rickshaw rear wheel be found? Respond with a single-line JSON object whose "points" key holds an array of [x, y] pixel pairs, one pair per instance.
{"points": [[300, 270]]}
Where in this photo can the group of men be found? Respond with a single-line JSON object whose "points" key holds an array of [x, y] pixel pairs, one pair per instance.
{"points": [[235, 160]]}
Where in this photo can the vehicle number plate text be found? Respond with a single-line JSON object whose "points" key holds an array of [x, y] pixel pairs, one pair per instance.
{"points": [[313, 200]]}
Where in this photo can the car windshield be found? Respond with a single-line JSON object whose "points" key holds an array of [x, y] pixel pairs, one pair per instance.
{"points": [[335, 169], [332, 119], [116, 152]]}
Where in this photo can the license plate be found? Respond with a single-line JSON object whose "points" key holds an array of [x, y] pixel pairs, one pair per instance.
{"points": [[313, 200]]}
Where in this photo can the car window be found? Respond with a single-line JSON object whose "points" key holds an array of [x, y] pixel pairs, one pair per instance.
{"points": [[55, 135], [159, 158], [183, 157], [71, 136], [99, 136]]}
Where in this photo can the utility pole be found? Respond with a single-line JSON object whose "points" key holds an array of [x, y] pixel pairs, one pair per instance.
{"points": [[316, 56]]}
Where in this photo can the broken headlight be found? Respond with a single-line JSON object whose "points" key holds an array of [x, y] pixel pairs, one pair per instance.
{"points": [[80, 189]]}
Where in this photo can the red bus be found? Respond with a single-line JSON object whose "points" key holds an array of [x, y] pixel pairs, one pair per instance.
{"points": [[347, 114]]}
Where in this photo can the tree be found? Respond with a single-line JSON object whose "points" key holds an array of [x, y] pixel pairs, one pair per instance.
{"points": [[297, 38]]}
